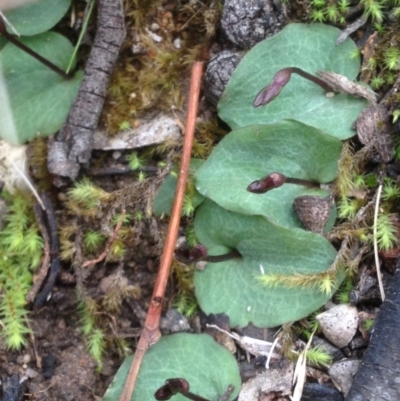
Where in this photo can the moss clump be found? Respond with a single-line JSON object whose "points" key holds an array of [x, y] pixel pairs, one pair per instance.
{"points": [[20, 254], [152, 77]]}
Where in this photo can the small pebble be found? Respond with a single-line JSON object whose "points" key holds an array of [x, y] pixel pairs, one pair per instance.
{"points": [[61, 324], [342, 373], [23, 359], [62, 196], [31, 373], [154, 26], [156, 38], [116, 155], [174, 322], [138, 49], [335, 353], [339, 324], [177, 43]]}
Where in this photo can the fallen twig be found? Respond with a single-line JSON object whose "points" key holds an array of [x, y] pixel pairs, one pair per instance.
{"points": [[151, 332], [73, 144]]}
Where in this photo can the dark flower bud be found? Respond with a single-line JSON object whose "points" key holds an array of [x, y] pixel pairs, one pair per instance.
{"points": [[269, 93], [198, 252], [280, 79], [170, 388], [271, 181], [176, 386], [163, 393], [195, 254]]}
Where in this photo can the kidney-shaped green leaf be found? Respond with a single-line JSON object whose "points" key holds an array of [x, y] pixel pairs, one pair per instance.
{"points": [[311, 48], [166, 194], [248, 154], [208, 367], [37, 99], [231, 287], [37, 17]]}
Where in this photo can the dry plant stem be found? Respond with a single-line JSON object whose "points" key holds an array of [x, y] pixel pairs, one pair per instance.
{"points": [[312, 78], [151, 332], [377, 264], [38, 358], [51, 224], [42, 273], [109, 243]]}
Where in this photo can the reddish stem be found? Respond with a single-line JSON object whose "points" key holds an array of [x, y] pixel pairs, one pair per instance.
{"points": [[151, 332]]}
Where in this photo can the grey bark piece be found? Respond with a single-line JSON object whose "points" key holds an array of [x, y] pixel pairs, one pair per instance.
{"points": [[219, 71], [73, 145], [320, 392], [378, 377], [247, 22]]}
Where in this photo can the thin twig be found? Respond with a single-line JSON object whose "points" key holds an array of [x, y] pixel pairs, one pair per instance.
{"points": [[38, 358], [377, 264], [44, 269], [151, 332], [109, 243]]}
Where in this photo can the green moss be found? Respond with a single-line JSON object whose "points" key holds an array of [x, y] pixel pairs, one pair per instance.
{"points": [[20, 254]]}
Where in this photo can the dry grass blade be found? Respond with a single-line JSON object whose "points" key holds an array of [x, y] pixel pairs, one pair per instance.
{"points": [[299, 375], [376, 253]]}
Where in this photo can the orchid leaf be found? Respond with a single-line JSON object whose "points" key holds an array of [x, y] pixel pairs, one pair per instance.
{"points": [[37, 17], [311, 48], [232, 287], [37, 99], [166, 194], [248, 154], [207, 366]]}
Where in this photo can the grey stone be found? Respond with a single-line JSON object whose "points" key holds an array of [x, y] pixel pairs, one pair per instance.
{"points": [[247, 22], [218, 72]]}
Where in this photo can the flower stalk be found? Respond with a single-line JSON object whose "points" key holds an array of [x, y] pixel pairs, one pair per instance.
{"points": [[276, 180], [200, 253]]}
